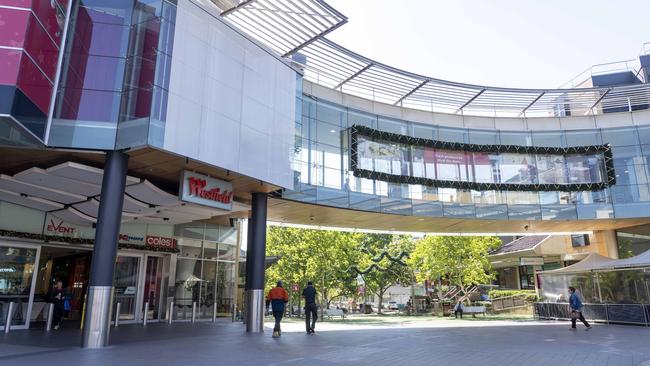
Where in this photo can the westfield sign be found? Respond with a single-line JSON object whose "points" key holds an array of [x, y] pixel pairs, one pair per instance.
{"points": [[207, 191]]}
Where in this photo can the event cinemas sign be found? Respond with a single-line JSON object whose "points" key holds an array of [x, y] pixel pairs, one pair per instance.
{"points": [[207, 191]]}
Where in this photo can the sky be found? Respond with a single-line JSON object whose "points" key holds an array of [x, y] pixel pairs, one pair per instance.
{"points": [[508, 43]]}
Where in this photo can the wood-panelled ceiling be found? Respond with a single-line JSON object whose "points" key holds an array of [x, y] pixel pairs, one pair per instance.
{"points": [[285, 211]]}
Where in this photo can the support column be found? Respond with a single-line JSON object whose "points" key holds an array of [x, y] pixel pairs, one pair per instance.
{"points": [[100, 286], [255, 258], [607, 243]]}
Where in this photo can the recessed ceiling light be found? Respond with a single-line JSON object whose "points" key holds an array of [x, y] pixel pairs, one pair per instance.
{"points": [[420, 219], [332, 131]]}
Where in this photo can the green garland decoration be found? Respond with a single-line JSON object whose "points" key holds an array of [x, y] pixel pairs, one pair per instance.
{"points": [[377, 135]]}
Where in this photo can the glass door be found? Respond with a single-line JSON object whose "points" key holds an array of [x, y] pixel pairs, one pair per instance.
{"points": [[153, 279], [17, 282], [127, 270]]}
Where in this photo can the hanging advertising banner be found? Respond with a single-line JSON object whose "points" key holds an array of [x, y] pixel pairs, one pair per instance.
{"points": [[207, 191]]}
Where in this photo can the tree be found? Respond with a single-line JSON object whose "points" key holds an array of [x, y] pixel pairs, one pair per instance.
{"points": [[382, 262], [321, 256], [463, 260]]}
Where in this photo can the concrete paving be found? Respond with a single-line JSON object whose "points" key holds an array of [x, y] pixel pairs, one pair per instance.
{"points": [[411, 342]]}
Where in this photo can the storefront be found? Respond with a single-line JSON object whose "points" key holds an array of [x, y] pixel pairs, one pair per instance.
{"points": [[155, 266]]}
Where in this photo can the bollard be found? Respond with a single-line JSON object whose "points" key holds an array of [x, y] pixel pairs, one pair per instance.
{"points": [[171, 312], [118, 308], [10, 314], [234, 312], [193, 311], [50, 317], [214, 312], [145, 315]]}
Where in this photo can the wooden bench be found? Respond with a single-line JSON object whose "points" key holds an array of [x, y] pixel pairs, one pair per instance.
{"points": [[329, 313]]}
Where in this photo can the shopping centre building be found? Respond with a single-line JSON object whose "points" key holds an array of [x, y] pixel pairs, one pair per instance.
{"points": [[143, 144]]}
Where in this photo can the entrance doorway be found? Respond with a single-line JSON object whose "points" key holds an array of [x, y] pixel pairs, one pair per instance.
{"points": [[71, 266], [141, 280]]}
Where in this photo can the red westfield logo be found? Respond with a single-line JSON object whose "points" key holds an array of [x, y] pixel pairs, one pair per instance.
{"points": [[197, 188], [59, 228]]}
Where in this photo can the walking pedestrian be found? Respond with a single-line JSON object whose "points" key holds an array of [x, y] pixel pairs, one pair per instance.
{"points": [[279, 298], [311, 309], [576, 309], [57, 297]]}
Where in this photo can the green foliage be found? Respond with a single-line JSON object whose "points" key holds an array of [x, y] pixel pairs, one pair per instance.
{"points": [[530, 295], [463, 260], [313, 255], [383, 251]]}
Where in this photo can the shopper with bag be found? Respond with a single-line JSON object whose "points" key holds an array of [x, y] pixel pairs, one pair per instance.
{"points": [[576, 309], [57, 297]]}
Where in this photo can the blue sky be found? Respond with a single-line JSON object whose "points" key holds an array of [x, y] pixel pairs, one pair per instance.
{"points": [[510, 43]]}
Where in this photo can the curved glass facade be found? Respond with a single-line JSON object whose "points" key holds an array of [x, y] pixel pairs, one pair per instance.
{"points": [[323, 174]]}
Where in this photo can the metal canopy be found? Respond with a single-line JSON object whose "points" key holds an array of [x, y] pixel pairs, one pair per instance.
{"points": [[285, 26], [298, 27]]}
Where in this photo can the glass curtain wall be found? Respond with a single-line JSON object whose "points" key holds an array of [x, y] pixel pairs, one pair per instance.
{"points": [[205, 270], [322, 173], [115, 73], [16, 271]]}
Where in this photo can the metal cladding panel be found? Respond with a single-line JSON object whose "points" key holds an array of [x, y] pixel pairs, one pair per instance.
{"points": [[231, 102]]}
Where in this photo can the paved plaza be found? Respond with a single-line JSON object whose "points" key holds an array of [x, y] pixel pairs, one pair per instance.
{"points": [[370, 341]]}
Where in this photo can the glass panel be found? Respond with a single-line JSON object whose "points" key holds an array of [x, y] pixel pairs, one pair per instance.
{"points": [[225, 288], [227, 252], [189, 248], [126, 285], [16, 271], [583, 138], [188, 287], [153, 287], [550, 169], [620, 136], [517, 168], [208, 277]]}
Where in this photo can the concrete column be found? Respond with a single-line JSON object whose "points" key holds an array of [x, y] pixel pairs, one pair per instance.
{"points": [[100, 285], [607, 243], [255, 257]]}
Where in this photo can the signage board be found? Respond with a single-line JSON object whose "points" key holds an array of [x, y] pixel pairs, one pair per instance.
{"points": [[207, 191], [531, 261], [160, 242]]}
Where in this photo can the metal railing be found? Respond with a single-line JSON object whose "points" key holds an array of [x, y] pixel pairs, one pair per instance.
{"points": [[636, 314]]}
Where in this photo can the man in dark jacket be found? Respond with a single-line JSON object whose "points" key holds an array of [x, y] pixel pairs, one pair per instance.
{"points": [[57, 297], [278, 297], [311, 309], [576, 309]]}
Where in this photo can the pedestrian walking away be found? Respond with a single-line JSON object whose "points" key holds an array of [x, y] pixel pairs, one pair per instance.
{"points": [[311, 309], [279, 298], [576, 309], [57, 297]]}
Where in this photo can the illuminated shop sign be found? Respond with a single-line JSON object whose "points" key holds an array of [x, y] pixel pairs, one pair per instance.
{"points": [[158, 242], [204, 190], [404, 159]]}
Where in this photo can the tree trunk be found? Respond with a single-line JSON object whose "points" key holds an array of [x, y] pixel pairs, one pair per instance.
{"points": [[381, 299]]}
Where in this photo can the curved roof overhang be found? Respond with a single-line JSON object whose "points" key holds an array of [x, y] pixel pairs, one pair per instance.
{"points": [[296, 29]]}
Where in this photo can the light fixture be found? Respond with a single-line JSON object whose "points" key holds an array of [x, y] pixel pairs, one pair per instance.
{"points": [[332, 131]]}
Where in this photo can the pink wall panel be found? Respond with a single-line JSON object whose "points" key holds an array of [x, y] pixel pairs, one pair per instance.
{"points": [[13, 25], [41, 48], [9, 66], [35, 86]]}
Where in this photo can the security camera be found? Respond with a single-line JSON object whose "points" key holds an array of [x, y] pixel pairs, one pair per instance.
{"points": [[525, 227]]}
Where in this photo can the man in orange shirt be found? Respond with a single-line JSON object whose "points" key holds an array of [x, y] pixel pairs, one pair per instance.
{"points": [[278, 297]]}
